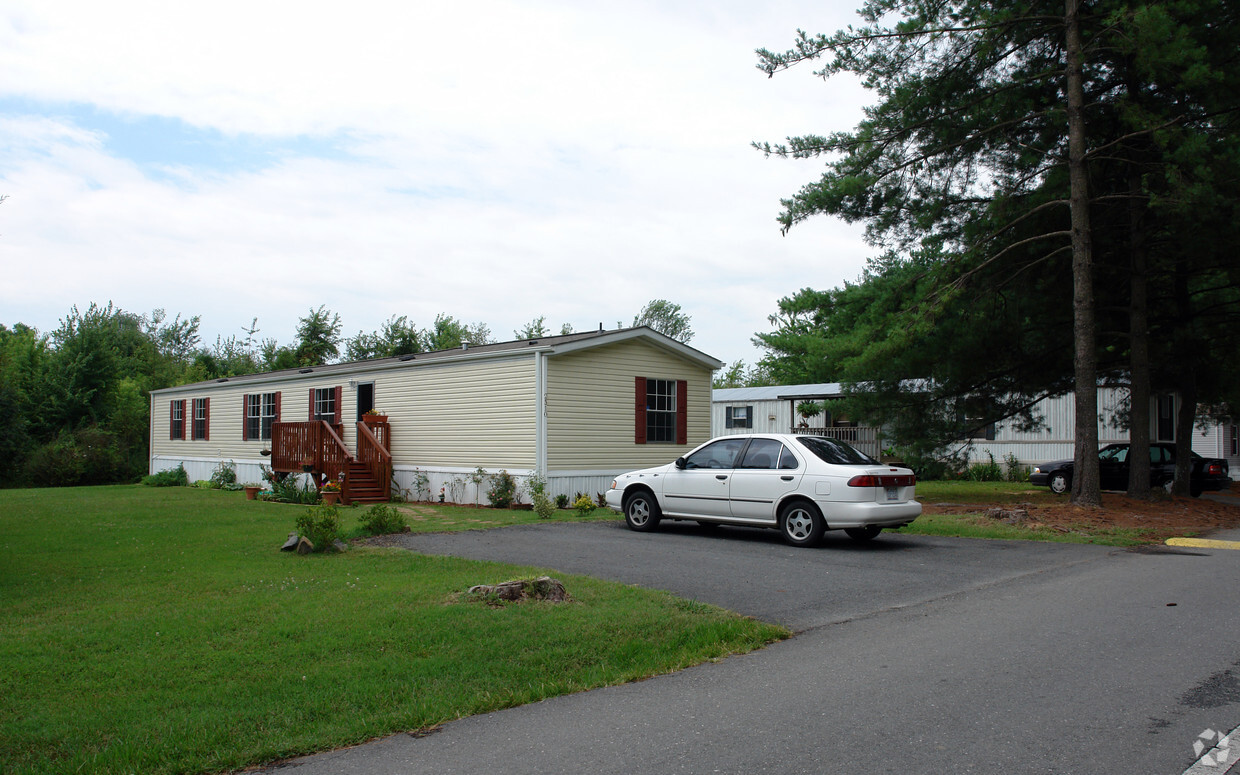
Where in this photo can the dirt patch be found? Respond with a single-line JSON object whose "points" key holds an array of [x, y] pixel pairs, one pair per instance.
{"points": [[1161, 517]]}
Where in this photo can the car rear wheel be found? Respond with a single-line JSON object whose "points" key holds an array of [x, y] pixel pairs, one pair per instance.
{"points": [[867, 533], [801, 524], [641, 512], [1060, 483]]}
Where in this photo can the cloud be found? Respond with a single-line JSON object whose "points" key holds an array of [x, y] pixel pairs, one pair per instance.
{"points": [[496, 162]]}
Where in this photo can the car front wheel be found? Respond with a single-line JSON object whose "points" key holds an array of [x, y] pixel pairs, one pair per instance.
{"points": [[1060, 483], [867, 533], [641, 512], [801, 524]]}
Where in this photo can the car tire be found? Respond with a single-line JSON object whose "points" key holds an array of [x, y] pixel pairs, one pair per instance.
{"points": [[1059, 482], [867, 533], [801, 523], [641, 512]]}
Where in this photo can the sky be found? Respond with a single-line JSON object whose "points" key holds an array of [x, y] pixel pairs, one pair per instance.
{"points": [[493, 161]]}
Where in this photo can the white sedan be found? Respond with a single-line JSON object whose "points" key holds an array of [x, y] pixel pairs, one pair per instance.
{"points": [[803, 485]]}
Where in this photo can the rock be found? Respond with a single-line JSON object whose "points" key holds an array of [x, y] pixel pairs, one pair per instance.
{"points": [[1010, 516], [339, 546], [542, 588], [304, 546], [290, 544]]}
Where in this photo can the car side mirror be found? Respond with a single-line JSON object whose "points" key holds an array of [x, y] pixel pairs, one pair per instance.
{"points": [[680, 463]]}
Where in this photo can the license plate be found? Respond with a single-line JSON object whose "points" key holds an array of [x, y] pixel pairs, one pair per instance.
{"points": [[893, 493]]}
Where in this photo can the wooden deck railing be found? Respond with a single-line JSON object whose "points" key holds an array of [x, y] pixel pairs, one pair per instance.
{"points": [[374, 445], [296, 445]]}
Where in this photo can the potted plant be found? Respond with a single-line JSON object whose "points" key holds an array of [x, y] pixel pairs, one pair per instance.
{"points": [[251, 490], [330, 493], [374, 416]]}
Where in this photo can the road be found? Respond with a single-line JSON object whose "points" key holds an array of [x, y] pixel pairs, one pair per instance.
{"points": [[913, 655]]}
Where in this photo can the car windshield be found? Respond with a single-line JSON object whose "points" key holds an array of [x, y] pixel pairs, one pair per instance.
{"points": [[836, 452]]}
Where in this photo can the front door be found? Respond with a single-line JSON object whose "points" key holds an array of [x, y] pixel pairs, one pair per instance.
{"points": [[365, 399]]}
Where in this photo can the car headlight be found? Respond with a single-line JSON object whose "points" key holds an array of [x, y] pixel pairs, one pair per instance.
{"points": [[1037, 469], [614, 485]]}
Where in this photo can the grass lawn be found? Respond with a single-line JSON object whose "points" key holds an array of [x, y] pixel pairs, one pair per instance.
{"points": [[160, 630]]}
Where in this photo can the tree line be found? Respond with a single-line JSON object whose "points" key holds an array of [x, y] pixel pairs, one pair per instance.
{"points": [[75, 402], [1052, 191]]}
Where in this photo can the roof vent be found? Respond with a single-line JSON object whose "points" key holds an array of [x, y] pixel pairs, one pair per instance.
{"points": [[222, 379], [600, 326], [304, 371], [533, 341], [407, 357], [464, 345]]}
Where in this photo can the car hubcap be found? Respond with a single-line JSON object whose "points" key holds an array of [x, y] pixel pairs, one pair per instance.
{"points": [[798, 525], [639, 512]]}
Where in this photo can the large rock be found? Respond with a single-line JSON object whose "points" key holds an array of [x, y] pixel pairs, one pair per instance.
{"points": [[291, 543], [305, 545], [541, 588]]}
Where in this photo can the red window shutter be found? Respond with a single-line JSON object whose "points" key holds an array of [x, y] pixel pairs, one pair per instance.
{"points": [[339, 403], [639, 413], [277, 407], [311, 404], [245, 418], [172, 420], [206, 420], [682, 412]]}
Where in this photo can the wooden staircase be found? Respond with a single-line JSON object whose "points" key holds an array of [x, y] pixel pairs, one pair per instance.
{"points": [[362, 486]]}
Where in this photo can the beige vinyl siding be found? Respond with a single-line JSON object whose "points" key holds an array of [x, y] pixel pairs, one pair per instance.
{"points": [[228, 413], [460, 413], [590, 406], [473, 414]]}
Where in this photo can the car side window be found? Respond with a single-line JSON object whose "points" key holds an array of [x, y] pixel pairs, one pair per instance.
{"points": [[787, 460], [721, 454], [762, 453]]}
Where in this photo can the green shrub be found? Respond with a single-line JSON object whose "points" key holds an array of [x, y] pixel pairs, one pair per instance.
{"points": [[320, 524], [173, 477], [86, 456], [985, 472], [1013, 470], [538, 496], [224, 477], [290, 489], [503, 490], [381, 519], [584, 505], [561, 501]]}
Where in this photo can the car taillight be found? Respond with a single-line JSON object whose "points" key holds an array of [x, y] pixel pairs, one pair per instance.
{"points": [[1214, 469], [871, 480]]}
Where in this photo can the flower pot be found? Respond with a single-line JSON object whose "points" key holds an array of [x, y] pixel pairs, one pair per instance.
{"points": [[371, 419], [251, 493], [330, 498]]}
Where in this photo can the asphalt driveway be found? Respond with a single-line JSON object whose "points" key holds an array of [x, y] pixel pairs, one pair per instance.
{"points": [[753, 572], [915, 655]]}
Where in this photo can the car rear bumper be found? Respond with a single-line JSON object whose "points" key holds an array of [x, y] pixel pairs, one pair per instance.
{"points": [[840, 514]]}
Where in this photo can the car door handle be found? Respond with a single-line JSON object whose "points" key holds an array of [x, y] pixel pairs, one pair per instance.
{"points": [[786, 478], [721, 477]]}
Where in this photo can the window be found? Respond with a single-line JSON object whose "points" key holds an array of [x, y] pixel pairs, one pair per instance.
{"points": [[833, 451], [176, 416], [738, 417], [202, 419], [1235, 440], [1165, 430], [762, 453], [661, 412], [261, 410], [721, 454], [325, 404]]}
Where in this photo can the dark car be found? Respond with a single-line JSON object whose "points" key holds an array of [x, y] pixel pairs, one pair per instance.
{"points": [[1207, 473]]}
